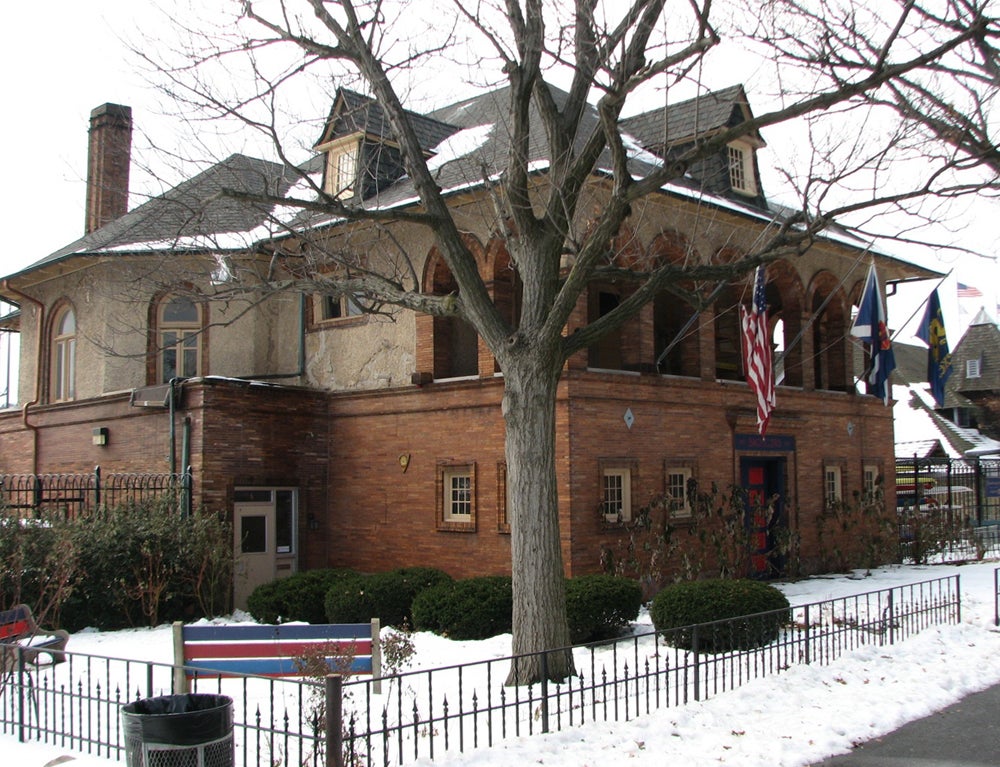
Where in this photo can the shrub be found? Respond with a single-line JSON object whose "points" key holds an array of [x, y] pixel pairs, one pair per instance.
{"points": [[695, 602], [601, 606], [143, 563], [387, 596], [474, 608], [299, 597], [38, 566]]}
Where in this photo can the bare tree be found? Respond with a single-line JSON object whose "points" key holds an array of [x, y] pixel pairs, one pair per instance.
{"points": [[854, 56]]}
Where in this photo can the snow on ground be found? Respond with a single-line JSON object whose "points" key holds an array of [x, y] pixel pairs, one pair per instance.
{"points": [[795, 718]]}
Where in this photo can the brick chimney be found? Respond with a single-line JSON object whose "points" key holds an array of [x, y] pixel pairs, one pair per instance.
{"points": [[108, 161]]}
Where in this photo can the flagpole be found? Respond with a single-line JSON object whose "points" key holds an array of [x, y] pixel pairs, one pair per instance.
{"points": [[922, 304]]}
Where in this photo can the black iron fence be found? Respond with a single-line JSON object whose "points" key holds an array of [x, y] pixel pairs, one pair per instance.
{"points": [[459, 708], [72, 495], [963, 489]]}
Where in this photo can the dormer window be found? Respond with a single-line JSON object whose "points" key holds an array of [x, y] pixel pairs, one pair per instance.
{"points": [[741, 171], [342, 166]]}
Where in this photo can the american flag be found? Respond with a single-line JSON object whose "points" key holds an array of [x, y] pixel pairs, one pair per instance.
{"points": [[757, 357], [968, 291]]}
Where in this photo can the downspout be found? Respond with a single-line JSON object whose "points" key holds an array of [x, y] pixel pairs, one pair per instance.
{"points": [[173, 429], [186, 468], [38, 373]]}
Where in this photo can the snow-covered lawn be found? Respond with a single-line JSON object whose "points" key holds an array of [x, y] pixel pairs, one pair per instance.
{"points": [[795, 718]]}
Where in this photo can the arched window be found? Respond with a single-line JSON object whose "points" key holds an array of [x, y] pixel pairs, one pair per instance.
{"points": [[64, 355], [179, 338]]}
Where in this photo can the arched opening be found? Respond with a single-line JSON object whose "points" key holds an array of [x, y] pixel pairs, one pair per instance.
{"points": [[829, 333], [456, 344], [675, 322]]}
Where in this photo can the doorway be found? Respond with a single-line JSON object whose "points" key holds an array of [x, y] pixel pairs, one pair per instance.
{"points": [[763, 480], [265, 538]]}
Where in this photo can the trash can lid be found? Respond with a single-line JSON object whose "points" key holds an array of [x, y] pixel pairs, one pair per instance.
{"points": [[177, 704]]}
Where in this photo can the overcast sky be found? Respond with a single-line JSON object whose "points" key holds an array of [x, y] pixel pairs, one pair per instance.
{"points": [[62, 58]]}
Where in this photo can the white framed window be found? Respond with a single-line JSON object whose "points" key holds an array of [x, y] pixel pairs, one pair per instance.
{"points": [[869, 479], [973, 368], [342, 166], [833, 491], [616, 494], [180, 332], [741, 172], [64, 355], [677, 483], [456, 497]]}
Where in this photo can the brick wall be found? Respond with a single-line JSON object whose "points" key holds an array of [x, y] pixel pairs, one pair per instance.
{"points": [[367, 464]]}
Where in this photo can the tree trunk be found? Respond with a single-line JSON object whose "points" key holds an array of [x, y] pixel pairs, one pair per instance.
{"points": [[533, 510]]}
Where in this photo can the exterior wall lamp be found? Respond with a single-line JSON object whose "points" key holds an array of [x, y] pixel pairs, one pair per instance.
{"points": [[100, 436]]}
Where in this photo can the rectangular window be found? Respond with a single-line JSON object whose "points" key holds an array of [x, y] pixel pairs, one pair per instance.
{"points": [[741, 173], [616, 503], [342, 167], [869, 479], [347, 167], [456, 497], [65, 374], [832, 490], [179, 358], [677, 484], [973, 368], [339, 307]]}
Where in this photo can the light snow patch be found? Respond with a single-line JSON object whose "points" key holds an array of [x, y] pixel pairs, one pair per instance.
{"points": [[460, 144]]}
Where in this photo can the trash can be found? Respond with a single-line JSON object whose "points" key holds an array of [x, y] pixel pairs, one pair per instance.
{"points": [[192, 730]]}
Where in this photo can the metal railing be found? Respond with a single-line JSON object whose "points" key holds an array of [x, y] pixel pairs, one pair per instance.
{"points": [[932, 537], [969, 489], [72, 495], [425, 713]]}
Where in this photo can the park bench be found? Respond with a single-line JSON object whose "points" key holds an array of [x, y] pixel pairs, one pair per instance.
{"points": [[210, 650], [19, 634]]}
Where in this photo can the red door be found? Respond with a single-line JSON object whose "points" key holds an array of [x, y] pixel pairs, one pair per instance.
{"points": [[763, 481]]}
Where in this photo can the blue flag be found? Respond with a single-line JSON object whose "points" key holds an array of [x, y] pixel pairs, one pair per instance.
{"points": [[870, 327], [931, 332]]}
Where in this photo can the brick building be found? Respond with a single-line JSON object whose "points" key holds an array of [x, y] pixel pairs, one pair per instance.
{"points": [[336, 436]]}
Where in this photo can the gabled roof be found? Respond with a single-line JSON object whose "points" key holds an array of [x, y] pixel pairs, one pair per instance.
{"points": [[680, 123], [981, 341], [353, 113]]}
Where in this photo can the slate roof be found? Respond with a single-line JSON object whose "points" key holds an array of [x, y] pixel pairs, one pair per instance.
{"points": [[982, 341], [911, 363], [193, 208], [194, 216], [353, 113], [680, 123]]}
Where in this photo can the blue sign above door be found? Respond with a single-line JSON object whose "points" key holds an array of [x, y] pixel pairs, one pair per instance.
{"points": [[776, 443]]}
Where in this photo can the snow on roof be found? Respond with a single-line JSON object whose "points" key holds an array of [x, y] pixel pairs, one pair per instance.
{"points": [[460, 144], [917, 427]]}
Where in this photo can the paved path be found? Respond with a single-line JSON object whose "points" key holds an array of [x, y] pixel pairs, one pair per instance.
{"points": [[966, 734]]}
